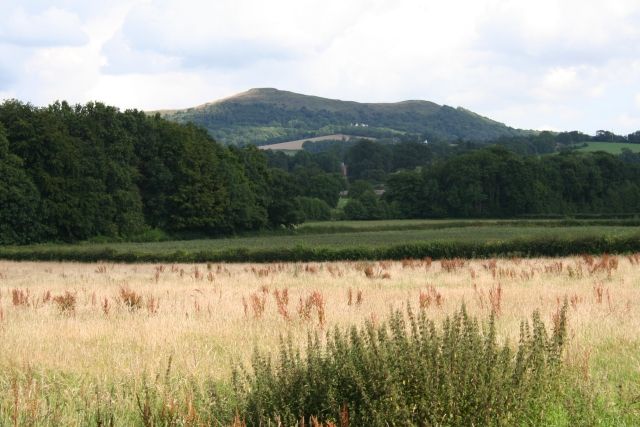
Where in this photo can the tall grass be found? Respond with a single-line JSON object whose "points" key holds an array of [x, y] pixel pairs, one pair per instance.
{"points": [[77, 350]]}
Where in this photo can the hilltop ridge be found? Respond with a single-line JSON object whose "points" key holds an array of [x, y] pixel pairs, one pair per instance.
{"points": [[268, 115]]}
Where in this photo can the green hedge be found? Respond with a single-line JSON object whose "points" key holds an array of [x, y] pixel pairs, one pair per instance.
{"points": [[530, 247], [331, 227]]}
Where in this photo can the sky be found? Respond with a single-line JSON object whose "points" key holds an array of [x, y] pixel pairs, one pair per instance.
{"points": [[533, 64]]}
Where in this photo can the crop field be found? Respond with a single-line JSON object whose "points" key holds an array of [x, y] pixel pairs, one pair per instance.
{"points": [[325, 227], [373, 238], [362, 240], [93, 344], [381, 238], [297, 144]]}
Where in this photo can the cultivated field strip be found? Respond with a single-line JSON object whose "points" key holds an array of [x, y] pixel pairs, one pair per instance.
{"points": [[466, 242]]}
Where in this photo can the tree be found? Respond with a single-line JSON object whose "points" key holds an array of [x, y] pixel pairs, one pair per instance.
{"points": [[573, 137], [317, 184], [634, 137], [358, 188], [408, 192], [284, 209], [608, 136], [355, 210], [253, 173], [314, 209], [368, 160], [97, 171], [19, 199], [409, 155]]}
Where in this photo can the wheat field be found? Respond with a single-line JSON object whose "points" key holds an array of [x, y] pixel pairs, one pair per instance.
{"points": [[71, 334]]}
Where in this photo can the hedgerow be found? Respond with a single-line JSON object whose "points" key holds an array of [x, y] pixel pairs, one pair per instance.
{"points": [[524, 247]]}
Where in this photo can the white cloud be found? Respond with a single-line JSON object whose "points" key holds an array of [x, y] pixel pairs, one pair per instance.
{"points": [[120, 58], [569, 64], [561, 32], [628, 121], [228, 33], [558, 83], [6, 77], [48, 27], [141, 91]]}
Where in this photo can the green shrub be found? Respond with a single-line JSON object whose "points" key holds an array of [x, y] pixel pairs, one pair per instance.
{"points": [[355, 210], [151, 235], [409, 372], [314, 209]]}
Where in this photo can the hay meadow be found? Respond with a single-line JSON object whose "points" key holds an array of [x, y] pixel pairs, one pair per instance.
{"points": [[81, 340]]}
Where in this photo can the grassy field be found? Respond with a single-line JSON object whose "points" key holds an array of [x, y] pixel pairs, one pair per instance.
{"points": [[297, 144], [176, 331], [376, 238], [360, 240], [609, 147], [369, 238], [324, 227]]}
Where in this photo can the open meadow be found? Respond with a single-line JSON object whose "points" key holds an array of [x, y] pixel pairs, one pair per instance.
{"points": [[609, 147], [358, 240], [93, 344]]}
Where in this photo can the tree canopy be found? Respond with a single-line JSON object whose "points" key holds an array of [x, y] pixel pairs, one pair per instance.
{"points": [[74, 172], [495, 182]]}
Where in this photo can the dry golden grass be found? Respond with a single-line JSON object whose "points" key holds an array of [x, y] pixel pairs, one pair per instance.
{"points": [[108, 322], [297, 144]]}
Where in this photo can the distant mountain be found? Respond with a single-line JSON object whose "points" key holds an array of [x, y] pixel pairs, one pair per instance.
{"points": [[265, 116]]}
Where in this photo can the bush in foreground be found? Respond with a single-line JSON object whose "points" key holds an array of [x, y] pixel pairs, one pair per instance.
{"points": [[409, 372]]}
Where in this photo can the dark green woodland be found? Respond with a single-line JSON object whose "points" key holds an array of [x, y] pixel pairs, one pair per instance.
{"points": [[72, 173]]}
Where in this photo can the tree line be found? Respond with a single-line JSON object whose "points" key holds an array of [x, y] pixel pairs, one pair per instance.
{"points": [[494, 182], [467, 180], [71, 173]]}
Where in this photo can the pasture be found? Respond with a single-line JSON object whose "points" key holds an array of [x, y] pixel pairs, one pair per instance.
{"points": [[85, 343], [297, 144], [353, 240], [609, 147]]}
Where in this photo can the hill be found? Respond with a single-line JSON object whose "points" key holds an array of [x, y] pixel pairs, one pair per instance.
{"points": [[266, 116]]}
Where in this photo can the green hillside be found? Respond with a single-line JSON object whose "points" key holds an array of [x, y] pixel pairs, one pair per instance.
{"points": [[265, 116]]}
